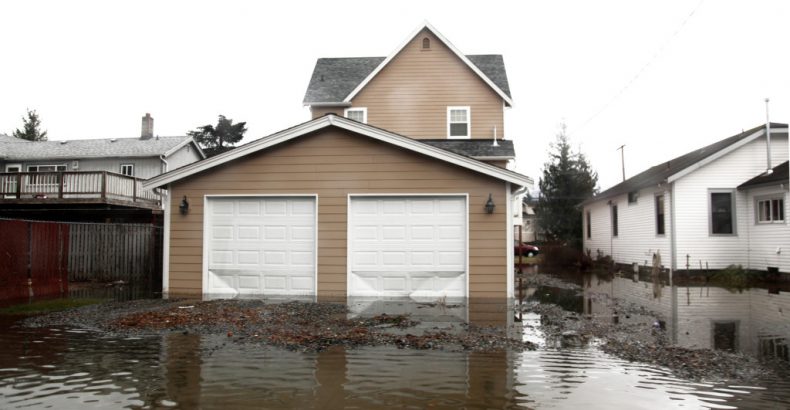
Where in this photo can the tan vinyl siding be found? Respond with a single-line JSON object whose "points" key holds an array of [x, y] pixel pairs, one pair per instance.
{"points": [[333, 164], [411, 94], [321, 111]]}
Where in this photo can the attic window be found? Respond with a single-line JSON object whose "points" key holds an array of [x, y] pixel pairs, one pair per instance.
{"points": [[632, 197], [426, 43]]}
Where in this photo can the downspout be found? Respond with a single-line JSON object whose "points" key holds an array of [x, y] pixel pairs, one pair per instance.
{"points": [[164, 162], [673, 266]]}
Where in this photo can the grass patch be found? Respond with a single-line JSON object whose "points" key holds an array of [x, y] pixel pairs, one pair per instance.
{"points": [[46, 306]]}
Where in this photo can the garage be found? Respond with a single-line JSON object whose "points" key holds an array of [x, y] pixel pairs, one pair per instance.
{"points": [[408, 246], [260, 246]]}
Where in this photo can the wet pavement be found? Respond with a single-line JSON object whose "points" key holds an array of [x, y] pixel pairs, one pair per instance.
{"points": [[71, 367]]}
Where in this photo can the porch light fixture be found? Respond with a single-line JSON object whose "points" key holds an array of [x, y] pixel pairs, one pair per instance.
{"points": [[490, 205], [184, 206]]}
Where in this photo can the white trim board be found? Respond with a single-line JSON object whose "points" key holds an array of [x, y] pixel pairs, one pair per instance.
{"points": [[349, 125], [429, 27]]}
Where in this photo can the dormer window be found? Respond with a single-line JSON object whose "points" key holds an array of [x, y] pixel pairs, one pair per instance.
{"points": [[458, 122], [426, 43], [359, 114]]}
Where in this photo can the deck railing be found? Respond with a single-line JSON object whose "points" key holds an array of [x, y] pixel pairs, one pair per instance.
{"points": [[74, 185]]}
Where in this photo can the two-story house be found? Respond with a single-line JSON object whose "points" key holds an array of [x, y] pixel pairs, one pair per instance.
{"points": [[396, 187], [91, 179]]}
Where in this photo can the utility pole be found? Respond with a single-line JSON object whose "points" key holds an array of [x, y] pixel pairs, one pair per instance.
{"points": [[622, 158]]}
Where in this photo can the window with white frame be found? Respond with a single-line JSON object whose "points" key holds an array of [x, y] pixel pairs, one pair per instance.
{"points": [[615, 229], [127, 169], [660, 223], [770, 210], [722, 212], [458, 122], [359, 114], [46, 168]]}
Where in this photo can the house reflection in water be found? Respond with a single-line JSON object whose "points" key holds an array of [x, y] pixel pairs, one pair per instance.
{"points": [[753, 321]]}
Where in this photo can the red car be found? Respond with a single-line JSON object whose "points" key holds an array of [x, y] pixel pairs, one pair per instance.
{"points": [[525, 249]]}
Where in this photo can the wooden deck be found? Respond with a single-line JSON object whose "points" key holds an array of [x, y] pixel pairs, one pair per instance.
{"points": [[78, 187]]}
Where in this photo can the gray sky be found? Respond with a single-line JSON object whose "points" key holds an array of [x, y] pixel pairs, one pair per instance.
{"points": [[639, 73]]}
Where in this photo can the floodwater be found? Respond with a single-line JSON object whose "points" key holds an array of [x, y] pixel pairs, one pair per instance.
{"points": [[64, 368]]}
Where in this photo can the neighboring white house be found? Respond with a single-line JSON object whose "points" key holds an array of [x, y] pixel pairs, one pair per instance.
{"points": [[719, 205]]}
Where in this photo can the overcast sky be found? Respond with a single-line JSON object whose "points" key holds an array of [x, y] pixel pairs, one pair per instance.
{"points": [[661, 77]]}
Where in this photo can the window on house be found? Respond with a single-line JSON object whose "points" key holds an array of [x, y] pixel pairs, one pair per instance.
{"points": [[660, 215], [632, 197], [589, 225], [770, 210], [359, 114], [127, 169], [458, 123], [46, 168], [722, 213], [426, 43], [614, 220]]}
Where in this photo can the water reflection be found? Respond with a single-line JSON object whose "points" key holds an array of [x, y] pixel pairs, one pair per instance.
{"points": [[74, 368], [753, 321]]}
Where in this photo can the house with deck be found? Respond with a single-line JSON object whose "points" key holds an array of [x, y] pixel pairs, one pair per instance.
{"points": [[716, 206], [88, 180], [398, 186]]}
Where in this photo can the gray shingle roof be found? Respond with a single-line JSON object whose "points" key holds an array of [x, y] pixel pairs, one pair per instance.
{"points": [[96, 148], [779, 174], [661, 172], [475, 148], [333, 79], [9, 139]]}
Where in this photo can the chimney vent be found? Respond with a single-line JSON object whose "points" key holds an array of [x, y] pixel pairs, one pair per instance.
{"points": [[147, 127]]}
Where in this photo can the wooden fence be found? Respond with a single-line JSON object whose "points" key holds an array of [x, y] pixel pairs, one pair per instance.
{"points": [[40, 258]]}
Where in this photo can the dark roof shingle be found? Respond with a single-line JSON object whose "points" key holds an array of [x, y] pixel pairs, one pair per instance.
{"points": [[779, 174], [475, 148], [93, 148]]}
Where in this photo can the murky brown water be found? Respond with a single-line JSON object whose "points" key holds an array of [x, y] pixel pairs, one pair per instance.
{"points": [[79, 369]]}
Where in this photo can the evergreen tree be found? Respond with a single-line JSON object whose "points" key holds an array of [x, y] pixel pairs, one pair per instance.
{"points": [[568, 179], [30, 129], [216, 139]]}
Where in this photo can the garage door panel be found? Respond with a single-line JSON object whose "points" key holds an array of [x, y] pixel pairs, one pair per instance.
{"points": [[261, 245], [399, 246]]}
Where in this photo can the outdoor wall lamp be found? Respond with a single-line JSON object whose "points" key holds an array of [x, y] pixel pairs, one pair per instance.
{"points": [[490, 205], [184, 206]]}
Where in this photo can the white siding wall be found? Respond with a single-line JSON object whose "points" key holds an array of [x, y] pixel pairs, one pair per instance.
{"points": [[143, 167], [692, 208], [637, 239], [768, 244], [184, 156]]}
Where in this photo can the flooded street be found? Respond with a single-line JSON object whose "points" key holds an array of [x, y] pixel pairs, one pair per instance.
{"points": [[64, 368]]}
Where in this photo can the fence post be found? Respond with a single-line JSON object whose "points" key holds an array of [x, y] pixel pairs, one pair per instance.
{"points": [[104, 184], [19, 185], [61, 176], [134, 189]]}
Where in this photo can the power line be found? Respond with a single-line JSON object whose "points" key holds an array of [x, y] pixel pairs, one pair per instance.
{"points": [[641, 70]]}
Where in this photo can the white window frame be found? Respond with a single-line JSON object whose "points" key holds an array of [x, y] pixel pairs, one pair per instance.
{"points": [[47, 165], [655, 213], [364, 113], [733, 215], [130, 166], [769, 198], [9, 166], [468, 122]]}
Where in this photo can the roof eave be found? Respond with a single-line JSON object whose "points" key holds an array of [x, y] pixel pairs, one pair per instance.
{"points": [[327, 104], [350, 125]]}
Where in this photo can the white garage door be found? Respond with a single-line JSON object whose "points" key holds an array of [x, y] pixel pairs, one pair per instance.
{"points": [[260, 245], [407, 246]]}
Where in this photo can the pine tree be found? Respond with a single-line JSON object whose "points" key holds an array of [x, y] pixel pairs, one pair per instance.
{"points": [[30, 130], [220, 138], [568, 179]]}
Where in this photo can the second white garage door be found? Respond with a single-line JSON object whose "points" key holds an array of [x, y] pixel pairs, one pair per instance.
{"points": [[407, 246], [260, 245]]}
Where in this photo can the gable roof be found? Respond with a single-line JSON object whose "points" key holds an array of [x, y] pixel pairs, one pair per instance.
{"points": [[779, 174], [10, 139], [684, 164], [331, 120], [93, 148], [335, 81]]}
